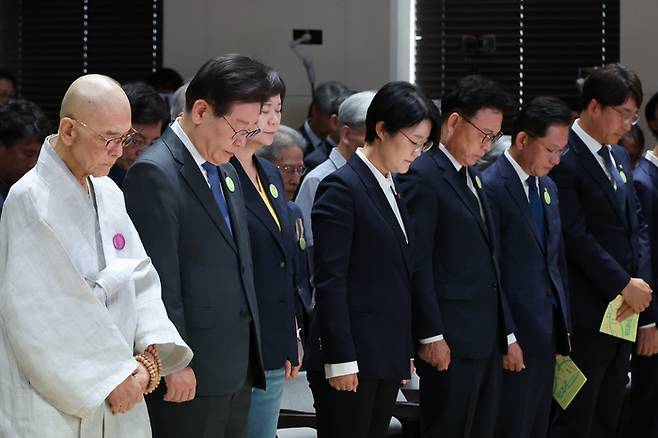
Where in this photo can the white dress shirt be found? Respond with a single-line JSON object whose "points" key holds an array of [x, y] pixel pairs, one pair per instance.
{"points": [[315, 140], [594, 147], [652, 158], [523, 176]]}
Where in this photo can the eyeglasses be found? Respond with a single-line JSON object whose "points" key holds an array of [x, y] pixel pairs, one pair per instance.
{"points": [[291, 168], [140, 141], [422, 146], [242, 133], [123, 140], [553, 152], [627, 116], [487, 137]]}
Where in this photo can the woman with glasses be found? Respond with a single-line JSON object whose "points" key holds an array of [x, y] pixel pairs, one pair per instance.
{"points": [[272, 242], [360, 344]]}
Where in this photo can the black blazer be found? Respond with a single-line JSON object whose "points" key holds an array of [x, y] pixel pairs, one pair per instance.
{"points": [[533, 268], [363, 271], [457, 267], [645, 175], [302, 277], [318, 156], [604, 245], [206, 274], [272, 251]]}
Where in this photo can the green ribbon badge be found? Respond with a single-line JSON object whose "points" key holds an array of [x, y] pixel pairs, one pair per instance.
{"points": [[547, 197], [274, 191], [623, 176], [230, 184], [478, 182], [302, 243]]}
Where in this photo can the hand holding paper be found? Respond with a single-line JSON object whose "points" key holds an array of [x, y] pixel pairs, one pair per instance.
{"points": [[626, 329]]}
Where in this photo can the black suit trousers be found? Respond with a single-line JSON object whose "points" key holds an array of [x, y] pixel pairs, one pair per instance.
{"points": [[365, 413]]}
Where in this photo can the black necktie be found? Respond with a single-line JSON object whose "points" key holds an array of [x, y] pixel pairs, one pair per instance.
{"points": [[536, 207], [617, 183], [472, 199]]}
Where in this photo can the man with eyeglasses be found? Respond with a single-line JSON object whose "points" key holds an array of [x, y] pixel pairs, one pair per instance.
{"points": [[464, 327], [526, 214], [188, 205], [82, 323], [607, 250], [149, 114]]}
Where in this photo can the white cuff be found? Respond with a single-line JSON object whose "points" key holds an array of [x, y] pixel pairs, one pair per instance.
{"points": [[436, 338], [653, 324], [340, 369], [511, 338]]}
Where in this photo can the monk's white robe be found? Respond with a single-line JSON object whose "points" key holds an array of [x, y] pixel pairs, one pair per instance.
{"points": [[75, 307]]}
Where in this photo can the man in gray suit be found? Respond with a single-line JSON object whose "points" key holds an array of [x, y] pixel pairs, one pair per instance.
{"points": [[188, 207]]}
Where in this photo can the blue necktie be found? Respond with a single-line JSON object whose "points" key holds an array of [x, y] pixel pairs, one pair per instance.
{"points": [[536, 207], [213, 178], [617, 182]]}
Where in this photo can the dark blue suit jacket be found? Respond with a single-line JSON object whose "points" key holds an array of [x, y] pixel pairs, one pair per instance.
{"points": [[533, 268], [457, 279], [646, 185], [302, 277], [605, 246], [363, 277], [273, 253]]}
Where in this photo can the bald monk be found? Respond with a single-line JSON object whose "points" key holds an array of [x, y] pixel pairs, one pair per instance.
{"points": [[80, 302]]}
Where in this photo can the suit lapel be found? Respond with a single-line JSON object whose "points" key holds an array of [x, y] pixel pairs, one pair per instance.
{"points": [[552, 215], [375, 193], [593, 168], [619, 162], [516, 191], [195, 179]]}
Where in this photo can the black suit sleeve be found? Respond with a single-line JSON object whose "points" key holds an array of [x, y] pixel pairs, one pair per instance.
{"points": [[153, 208], [333, 230], [644, 206]]}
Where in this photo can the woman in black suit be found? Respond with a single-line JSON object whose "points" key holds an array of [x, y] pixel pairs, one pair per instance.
{"points": [[360, 344], [271, 233]]}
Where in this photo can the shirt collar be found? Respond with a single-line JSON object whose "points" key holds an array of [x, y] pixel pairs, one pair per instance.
{"points": [[337, 158], [331, 142], [593, 145], [452, 159], [523, 176], [311, 135], [652, 158], [178, 130], [385, 182]]}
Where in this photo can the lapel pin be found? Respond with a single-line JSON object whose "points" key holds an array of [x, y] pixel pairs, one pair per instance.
{"points": [[623, 176], [547, 197], [229, 184], [478, 181], [273, 191], [119, 241], [302, 243]]}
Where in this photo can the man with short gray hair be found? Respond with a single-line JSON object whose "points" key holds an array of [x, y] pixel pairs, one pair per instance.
{"points": [[352, 128]]}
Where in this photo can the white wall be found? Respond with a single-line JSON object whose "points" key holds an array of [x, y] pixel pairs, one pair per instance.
{"points": [[359, 47], [638, 47]]}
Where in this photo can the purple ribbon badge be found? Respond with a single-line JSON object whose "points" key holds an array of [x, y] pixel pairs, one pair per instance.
{"points": [[119, 241]]}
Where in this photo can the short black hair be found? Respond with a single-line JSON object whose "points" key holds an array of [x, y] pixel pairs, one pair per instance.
{"points": [[650, 112], [400, 105], [277, 86], [329, 95], [165, 79], [635, 133], [7, 75], [541, 113], [146, 105], [612, 85], [471, 94], [21, 120], [226, 80]]}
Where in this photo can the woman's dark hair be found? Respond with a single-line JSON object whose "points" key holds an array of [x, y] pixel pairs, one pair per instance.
{"points": [[612, 85], [471, 94], [226, 80], [146, 105], [541, 113], [650, 112], [401, 105], [21, 120], [277, 86]]}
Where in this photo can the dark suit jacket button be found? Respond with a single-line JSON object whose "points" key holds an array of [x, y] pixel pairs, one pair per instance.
{"points": [[282, 265]]}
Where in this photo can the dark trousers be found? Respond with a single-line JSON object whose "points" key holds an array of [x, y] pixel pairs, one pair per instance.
{"points": [[642, 402], [365, 413], [595, 411], [461, 402], [526, 398]]}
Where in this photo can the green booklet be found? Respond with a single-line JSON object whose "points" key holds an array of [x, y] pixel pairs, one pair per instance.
{"points": [[568, 380], [627, 329]]}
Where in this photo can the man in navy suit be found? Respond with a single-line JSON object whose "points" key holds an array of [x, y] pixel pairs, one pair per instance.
{"points": [[533, 274], [642, 420], [607, 250], [461, 324]]}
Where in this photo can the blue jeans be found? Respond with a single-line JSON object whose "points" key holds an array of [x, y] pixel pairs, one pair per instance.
{"points": [[265, 405]]}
